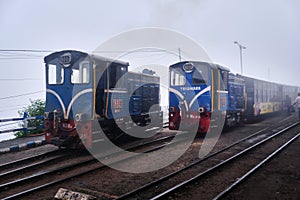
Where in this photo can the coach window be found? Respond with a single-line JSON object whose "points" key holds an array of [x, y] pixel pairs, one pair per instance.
{"points": [[81, 73], [177, 79], [55, 74], [224, 81]]}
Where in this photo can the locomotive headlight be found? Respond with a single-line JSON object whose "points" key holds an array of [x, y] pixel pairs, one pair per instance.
{"points": [[65, 59], [201, 110], [78, 117], [188, 67]]}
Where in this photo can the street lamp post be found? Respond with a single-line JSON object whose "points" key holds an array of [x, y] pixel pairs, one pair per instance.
{"points": [[241, 47]]}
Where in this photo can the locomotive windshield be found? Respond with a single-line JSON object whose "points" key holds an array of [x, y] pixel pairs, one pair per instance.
{"points": [[55, 74], [200, 75], [177, 77], [80, 73]]}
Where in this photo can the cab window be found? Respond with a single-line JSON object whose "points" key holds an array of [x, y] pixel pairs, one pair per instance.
{"points": [[80, 73], [200, 75], [55, 74], [177, 79], [224, 80], [198, 78]]}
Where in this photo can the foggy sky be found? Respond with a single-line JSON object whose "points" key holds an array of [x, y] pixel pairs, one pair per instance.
{"points": [[269, 29]]}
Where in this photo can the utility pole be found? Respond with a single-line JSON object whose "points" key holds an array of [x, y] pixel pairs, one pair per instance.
{"points": [[179, 54], [241, 47]]}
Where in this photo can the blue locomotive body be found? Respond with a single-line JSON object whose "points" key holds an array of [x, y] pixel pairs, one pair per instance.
{"points": [[63, 83], [199, 89], [85, 91], [196, 91], [236, 100]]}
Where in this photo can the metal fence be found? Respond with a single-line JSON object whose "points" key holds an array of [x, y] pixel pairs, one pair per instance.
{"points": [[25, 127]]}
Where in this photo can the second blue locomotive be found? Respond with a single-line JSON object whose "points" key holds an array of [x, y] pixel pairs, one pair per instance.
{"points": [[197, 90]]}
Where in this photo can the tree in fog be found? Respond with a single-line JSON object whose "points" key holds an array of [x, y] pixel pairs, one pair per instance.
{"points": [[36, 108]]}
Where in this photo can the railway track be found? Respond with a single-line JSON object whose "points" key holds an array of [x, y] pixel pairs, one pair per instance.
{"points": [[53, 177], [236, 168], [18, 187], [29, 160], [160, 188], [251, 171], [36, 161]]}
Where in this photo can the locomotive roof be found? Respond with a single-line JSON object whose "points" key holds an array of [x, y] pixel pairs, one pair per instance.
{"points": [[223, 68], [80, 53], [106, 59], [144, 74], [263, 81], [58, 53], [202, 62]]}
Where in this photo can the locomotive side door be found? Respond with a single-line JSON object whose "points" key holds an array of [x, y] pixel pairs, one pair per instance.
{"points": [[219, 96]]}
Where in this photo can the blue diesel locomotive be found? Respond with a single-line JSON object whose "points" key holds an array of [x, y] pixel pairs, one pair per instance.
{"points": [[85, 91], [198, 89]]}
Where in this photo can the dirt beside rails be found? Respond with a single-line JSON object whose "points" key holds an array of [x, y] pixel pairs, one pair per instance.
{"points": [[278, 179]]}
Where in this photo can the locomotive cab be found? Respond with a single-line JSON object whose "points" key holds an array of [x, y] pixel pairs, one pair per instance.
{"points": [[69, 89], [196, 91]]}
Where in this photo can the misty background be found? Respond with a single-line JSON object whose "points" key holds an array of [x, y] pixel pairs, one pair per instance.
{"points": [[269, 29]]}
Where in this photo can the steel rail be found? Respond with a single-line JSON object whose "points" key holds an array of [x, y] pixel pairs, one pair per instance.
{"points": [[43, 173], [97, 167], [15, 162], [246, 175], [32, 165], [186, 182], [60, 156], [135, 191]]}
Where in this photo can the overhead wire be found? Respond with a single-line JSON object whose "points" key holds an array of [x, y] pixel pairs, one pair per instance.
{"points": [[19, 108], [25, 50], [25, 54], [17, 54], [146, 50], [14, 54], [20, 79], [25, 94], [13, 106], [20, 54]]}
